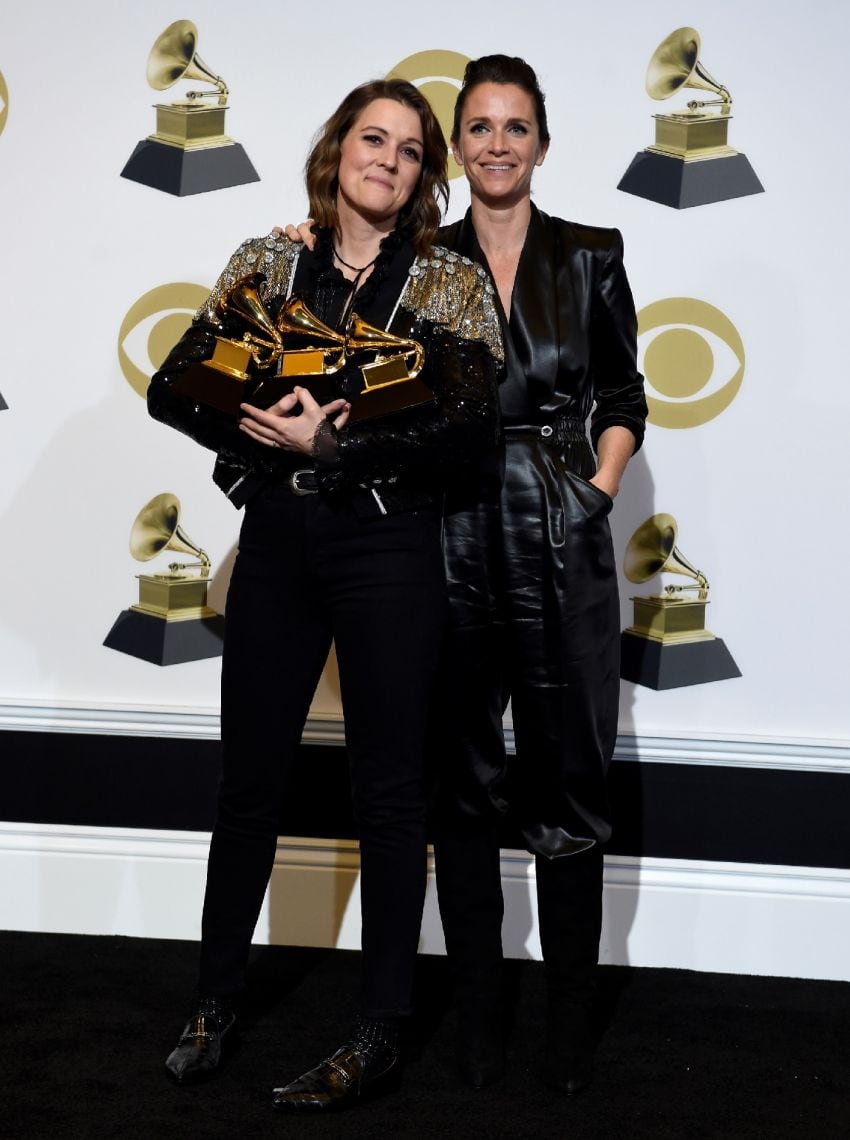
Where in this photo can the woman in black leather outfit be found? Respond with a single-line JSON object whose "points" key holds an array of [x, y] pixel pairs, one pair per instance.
{"points": [[532, 583], [341, 540]]}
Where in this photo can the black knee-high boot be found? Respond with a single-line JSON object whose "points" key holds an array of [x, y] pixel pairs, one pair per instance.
{"points": [[569, 903], [469, 889]]}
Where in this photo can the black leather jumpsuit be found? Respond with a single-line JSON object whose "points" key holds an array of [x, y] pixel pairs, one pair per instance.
{"points": [[534, 607]]}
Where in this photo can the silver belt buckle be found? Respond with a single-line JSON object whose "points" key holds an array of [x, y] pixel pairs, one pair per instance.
{"points": [[295, 486]]}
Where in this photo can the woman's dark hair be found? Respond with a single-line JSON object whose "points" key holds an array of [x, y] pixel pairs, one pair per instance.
{"points": [[420, 217], [502, 69]]}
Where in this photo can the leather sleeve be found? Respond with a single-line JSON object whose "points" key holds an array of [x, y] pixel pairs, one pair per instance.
{"points": [[618, 386], [207, 426]]}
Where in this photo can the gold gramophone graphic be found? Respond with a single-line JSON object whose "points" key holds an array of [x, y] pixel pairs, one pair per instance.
{"points": [[669, 646], [189, 153], [171, 623], [691, 162], [297, 348]]}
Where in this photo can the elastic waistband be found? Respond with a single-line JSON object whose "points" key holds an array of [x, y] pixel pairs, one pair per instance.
{"points": [[558, 430]]}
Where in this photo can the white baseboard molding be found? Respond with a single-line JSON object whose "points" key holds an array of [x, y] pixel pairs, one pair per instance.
{"points": [[725, 917], [808, 755]]}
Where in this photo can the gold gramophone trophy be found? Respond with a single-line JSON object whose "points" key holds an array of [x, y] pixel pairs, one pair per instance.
{"points": [[668, 646], [189, 153], [171, 623], [690, 163], [390, 380], [380, 370], [259, 368]]}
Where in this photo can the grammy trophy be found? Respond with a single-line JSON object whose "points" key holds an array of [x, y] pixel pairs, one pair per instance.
{"points": [[691, 162], [377, 372], [668, 646], [171, 622], [189, 153]]}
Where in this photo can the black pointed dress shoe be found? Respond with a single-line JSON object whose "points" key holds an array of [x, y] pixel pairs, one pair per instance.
{"points": [[365, 1067], [208, 1031]]}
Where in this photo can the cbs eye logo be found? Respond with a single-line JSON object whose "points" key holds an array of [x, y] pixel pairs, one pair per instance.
{"points": [[438, 75], [693, 360], [153, 326], [4, 102]]}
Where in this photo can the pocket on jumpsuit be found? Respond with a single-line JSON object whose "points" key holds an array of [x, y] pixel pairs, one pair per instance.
{"points": [[589, 551]]}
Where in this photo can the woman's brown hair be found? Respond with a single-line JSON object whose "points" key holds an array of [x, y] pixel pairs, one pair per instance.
{"points": [[504, 69], [420, 217]]}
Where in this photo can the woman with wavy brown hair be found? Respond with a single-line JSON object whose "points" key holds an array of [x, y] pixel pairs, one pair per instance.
{"points": [[340, 541]]}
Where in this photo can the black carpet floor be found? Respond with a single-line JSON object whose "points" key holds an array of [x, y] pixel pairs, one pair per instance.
{"points": [[87, 1022]]}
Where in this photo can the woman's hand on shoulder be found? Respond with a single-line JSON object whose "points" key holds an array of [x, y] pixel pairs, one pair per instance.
{"points": [[278, 426], [301, 234]]}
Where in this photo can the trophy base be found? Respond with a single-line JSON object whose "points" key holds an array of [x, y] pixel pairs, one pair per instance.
{"points": [[183, 172], [166, 642], [658, 666], [396, 396], [4, 407], [209, 385], [265, 392], [680, 184]]}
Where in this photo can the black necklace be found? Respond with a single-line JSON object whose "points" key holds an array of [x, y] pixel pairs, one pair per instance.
{"points": [[354, 268]]}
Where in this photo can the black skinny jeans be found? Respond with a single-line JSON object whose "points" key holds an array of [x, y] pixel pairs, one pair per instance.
{"points": [[306, 573]]}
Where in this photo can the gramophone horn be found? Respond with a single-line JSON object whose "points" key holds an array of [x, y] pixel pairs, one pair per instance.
{"points": [[361, 335], [244, 298], [295, 318], [157, 528], [675, 64], [652, 550], [174, 57]]}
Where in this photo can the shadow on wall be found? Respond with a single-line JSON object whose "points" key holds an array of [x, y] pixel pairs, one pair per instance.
{"points": [[635, 503]]}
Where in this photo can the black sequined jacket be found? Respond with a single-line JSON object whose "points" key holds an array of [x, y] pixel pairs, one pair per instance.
{"points": [[445, 302]]}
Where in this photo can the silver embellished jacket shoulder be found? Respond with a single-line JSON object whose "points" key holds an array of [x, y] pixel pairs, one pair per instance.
{"points": [[446, 304]]}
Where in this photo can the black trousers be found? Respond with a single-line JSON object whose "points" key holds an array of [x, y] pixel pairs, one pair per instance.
{"points": [[306, 573], [534, 618]]}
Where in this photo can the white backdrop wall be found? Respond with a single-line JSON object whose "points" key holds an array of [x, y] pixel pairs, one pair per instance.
{"points": [[758, 491]]}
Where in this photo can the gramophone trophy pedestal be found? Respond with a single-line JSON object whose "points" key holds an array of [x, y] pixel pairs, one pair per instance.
{"points": [[189, 153], [3, 405], [171, 623], [388, 388], [668, 647], [690, 164]]}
